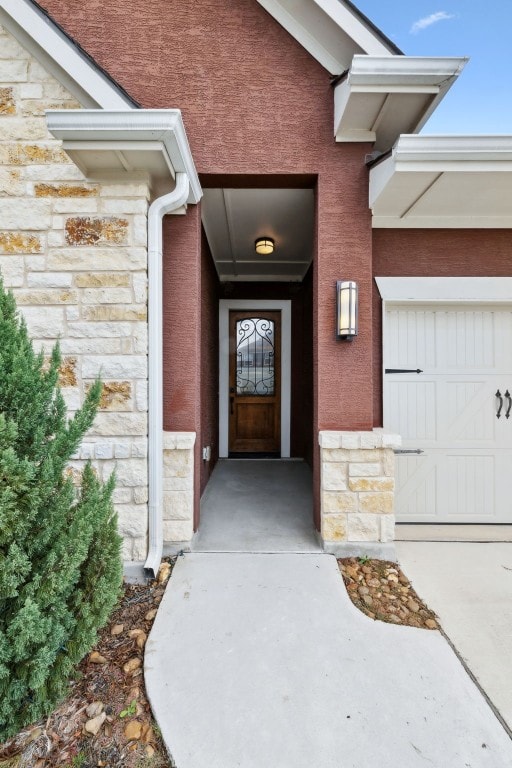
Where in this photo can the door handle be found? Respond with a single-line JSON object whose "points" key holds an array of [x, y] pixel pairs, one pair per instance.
{"points": [[500, 398], [509, 398], [231, 401]]}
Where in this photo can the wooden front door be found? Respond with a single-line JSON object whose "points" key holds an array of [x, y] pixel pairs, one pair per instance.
{"points": [[255, 382]]}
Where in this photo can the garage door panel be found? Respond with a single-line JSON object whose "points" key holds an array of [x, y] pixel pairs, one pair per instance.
{"points": [[448, 410]]}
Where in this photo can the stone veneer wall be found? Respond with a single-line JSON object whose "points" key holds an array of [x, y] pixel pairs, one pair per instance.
{"points": [[178, 482], [357, 489], [75, 255]]}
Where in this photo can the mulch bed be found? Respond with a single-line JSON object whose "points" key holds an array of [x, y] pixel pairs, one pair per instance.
{"points": [[106, 719], [381, 591]]}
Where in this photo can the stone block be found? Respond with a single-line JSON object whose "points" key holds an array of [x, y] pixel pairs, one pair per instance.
{"points": [[334, 476], [111, 312], [97, 259], [139, 448], [122, 450], [104, 450], [390, 440], [11, 49], [102, 279], [76, 205], [334, 528], [133, 519], [116, 396], [14, 153], [22, 128], [363, 527], [115, 366], [329, 439], [12, 269], [336, 502], [119, 424], [178, 530], [75, 346], [178, 463], [130, 189], [67, 372], [94, 330], [178, 440], [140, 287], [13, 71], [11, 183], [178, 505], [371, 484], [7, 103], [65, 190], [371, 440], [86, 230], [378, 503], [25, 214], [365, 456], [141, 395], [106, 296], [34, 297], [19, 243], [185, 483], [365, 469], [87, 451], [335, 454], [44, 323], [350, 440], [122, 496], [60, 170], [49, 279], [139, 549], [124, 206], [132, 472], [388, 463], [387, 528], [140, 494], [72, 398]]}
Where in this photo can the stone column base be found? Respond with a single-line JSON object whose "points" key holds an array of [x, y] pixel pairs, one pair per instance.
{"points": [[178, 482], [357, 492]]}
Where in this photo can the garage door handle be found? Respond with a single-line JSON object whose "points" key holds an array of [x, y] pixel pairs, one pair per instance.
{"points": [[507, 395], [408, 450], [500, 398]]}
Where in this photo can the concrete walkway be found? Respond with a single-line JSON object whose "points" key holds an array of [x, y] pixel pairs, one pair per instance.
{"points": [[470, 589], [262, 661], [254, 505]]}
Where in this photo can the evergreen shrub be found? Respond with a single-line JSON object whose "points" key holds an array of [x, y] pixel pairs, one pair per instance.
{"points": [[60, 563]]}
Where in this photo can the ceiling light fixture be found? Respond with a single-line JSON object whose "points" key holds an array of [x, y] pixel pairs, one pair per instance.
{"points": [[264, 246]]}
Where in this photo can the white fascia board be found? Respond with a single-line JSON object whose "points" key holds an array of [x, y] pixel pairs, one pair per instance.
{"points": [[362, 35], [404, 70], [445, 289], [341, 20], [57, 53], [83, 128], [442, 148]]}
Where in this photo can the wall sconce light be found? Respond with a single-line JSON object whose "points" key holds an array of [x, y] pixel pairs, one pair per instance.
{"points": [[346, 309], [264, 246]]}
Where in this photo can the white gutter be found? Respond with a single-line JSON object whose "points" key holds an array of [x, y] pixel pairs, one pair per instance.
{"points": [[157, 210]]}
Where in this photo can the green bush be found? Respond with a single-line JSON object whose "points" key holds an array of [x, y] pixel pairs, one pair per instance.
{"points": [[60, 564]]}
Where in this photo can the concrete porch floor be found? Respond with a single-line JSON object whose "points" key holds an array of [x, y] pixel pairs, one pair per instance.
{"points": [[258, 505]]}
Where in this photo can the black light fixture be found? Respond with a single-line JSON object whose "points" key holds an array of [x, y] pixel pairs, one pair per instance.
{"points": [[264, 246], [346, 309]]}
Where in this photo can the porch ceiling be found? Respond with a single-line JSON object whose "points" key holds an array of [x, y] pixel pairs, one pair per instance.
{"points": [[234, 218], [438, 182]]}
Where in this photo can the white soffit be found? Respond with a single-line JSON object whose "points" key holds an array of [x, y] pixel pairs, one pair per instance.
{"points": [[332, 31], [437, 182], [57, 53], [384, 96], [234, 218], [120, 144]]}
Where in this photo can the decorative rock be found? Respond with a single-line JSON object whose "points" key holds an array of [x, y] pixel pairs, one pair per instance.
{"points": [[133, 730], [94, 709], [97, 658], [413, 605], [431, 624], [163, 573], [93, 726], [139, 636], [150, 751], [117, 629], [133, 694], [132, 665]]}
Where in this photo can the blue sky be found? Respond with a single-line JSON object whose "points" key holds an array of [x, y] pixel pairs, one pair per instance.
{"points": [[480, 101]]}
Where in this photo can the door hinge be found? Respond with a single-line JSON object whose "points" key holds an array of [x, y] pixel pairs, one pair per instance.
{"points": [[403, 370]]}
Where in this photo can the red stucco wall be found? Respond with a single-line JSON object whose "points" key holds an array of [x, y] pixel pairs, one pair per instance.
{"points": [[433, 253]]}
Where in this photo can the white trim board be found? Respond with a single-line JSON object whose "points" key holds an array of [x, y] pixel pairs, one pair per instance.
{"points": [[436, 289], [225, 305]]}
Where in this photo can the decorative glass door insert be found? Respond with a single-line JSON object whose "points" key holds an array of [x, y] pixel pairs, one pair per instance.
{"points": [[255, 356]]}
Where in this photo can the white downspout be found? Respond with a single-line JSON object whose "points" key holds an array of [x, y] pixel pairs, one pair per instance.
{"points": [[157, 210]]}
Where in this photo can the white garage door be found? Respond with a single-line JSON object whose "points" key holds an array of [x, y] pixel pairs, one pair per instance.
{"points": [[456, 411]]}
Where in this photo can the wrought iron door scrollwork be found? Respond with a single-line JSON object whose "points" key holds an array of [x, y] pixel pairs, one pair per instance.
{"points": [[255, 356]]}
